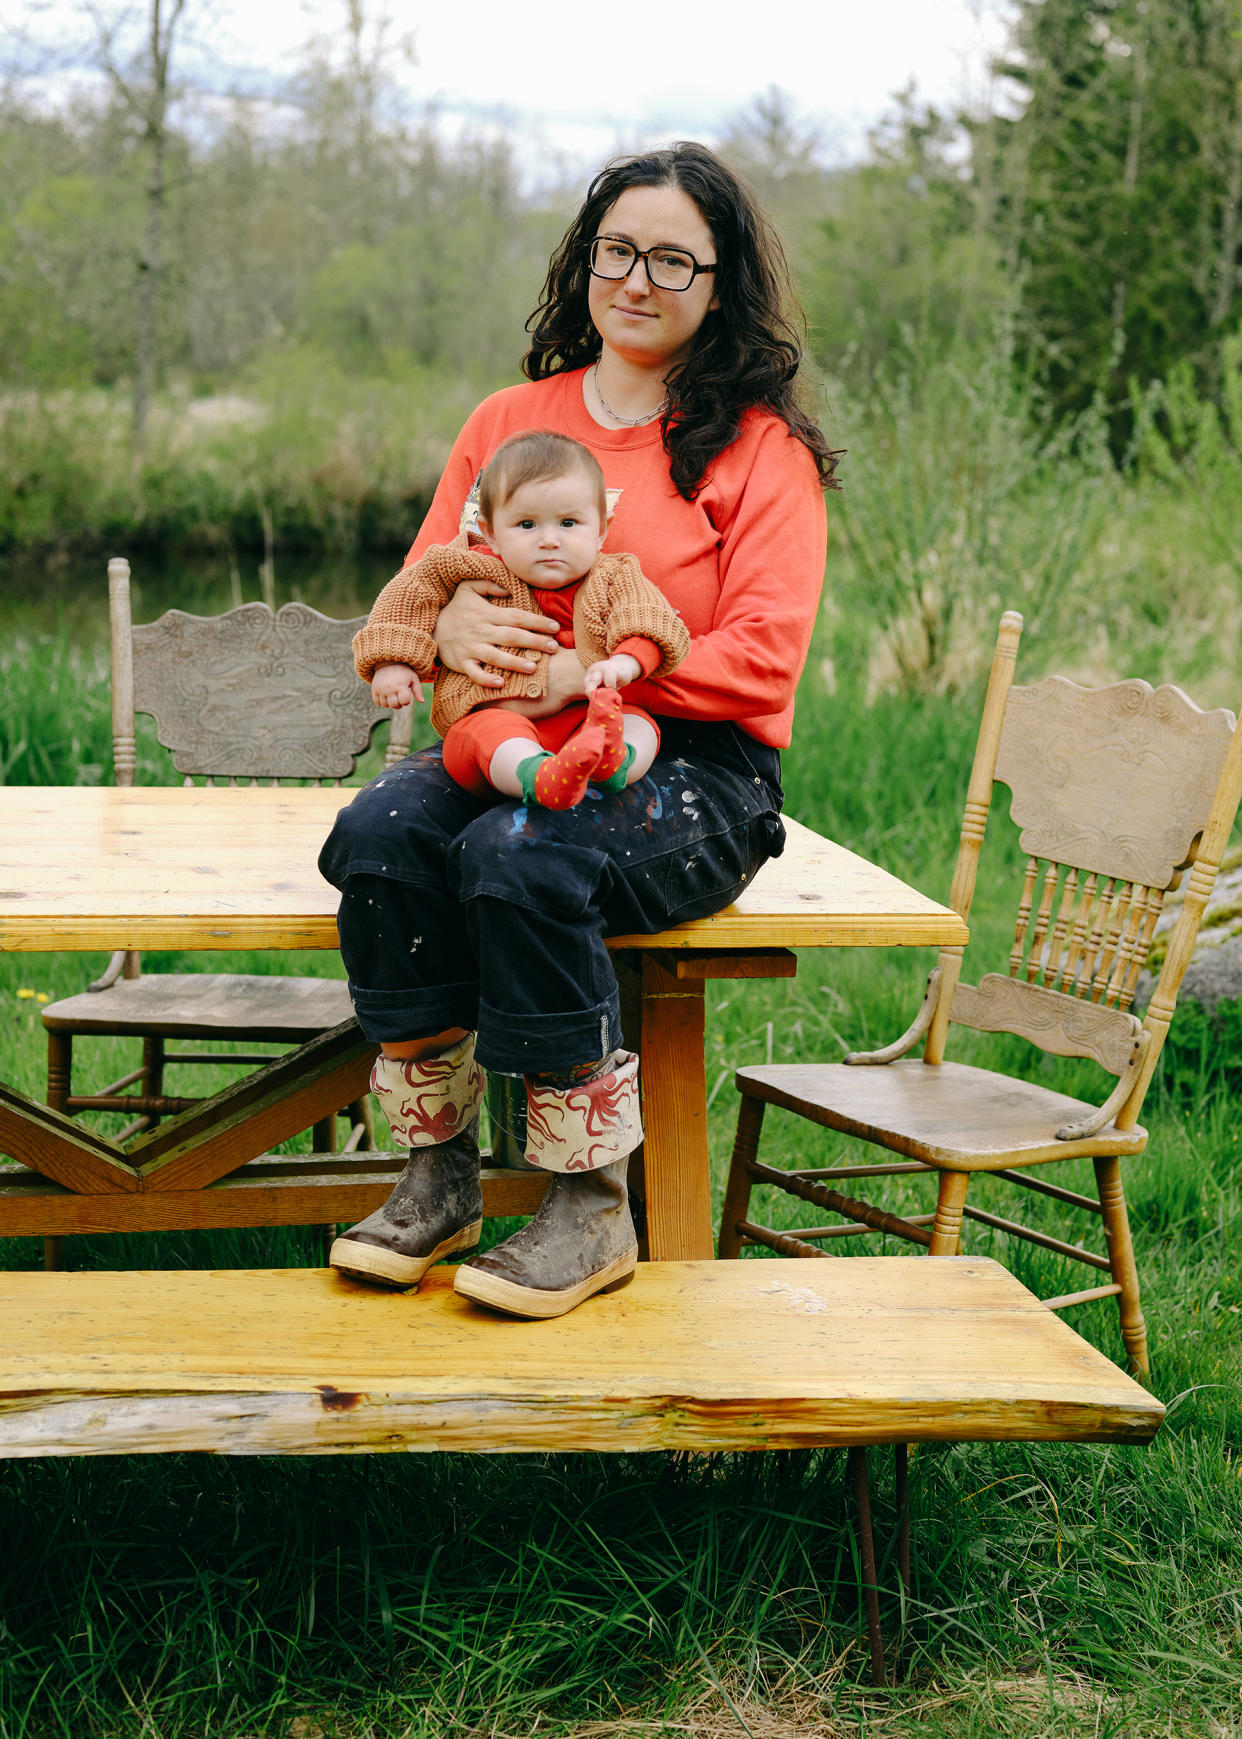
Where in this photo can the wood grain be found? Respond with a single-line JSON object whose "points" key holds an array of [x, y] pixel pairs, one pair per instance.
{"points": [[713, 1355], [678, 1188], [55, 1145], [1083, 765], [296, 1190], [246, 1008], [945, 1114], [1048, 1018], [222, 867], [292, 1093]]}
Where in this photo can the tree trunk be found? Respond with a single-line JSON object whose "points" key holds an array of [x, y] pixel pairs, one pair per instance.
{"points": [[1129, 182], [150, 261], [1230, 221]]}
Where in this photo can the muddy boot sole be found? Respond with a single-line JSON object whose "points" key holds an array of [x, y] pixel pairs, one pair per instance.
{"points": [[534, 1302], [389, 1267]]}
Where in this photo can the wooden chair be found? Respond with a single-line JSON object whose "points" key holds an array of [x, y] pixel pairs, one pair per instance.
{"points": [[1118, 793], [252, 695]]}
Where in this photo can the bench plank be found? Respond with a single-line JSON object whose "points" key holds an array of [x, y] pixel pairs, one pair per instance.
{"points": [[693, 1355]]}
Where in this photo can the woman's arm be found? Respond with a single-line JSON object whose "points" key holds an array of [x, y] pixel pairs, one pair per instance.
{"points": [[772, 554]]}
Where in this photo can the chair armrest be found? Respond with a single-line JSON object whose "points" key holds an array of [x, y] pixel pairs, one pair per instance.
{"points": [[913, 1033], [1089, 1126], [110, 974]]}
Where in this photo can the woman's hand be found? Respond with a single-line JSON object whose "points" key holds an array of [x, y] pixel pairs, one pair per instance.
{"points": [[566, 682], [474, 631]]}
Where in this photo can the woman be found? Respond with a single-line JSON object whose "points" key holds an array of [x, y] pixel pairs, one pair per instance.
{"points": [[474, 929]]}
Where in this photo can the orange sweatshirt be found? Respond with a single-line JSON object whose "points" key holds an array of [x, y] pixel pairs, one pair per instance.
{"points": [[742, 565]]}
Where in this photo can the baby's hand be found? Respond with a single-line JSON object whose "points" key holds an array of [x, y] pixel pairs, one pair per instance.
{"points": [[612, 672], [395, 685]]}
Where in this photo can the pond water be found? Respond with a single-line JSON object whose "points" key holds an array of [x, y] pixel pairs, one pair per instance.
{"points": [[58, 595]]}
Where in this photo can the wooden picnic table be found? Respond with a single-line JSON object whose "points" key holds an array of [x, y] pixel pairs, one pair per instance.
{"points": [[212, 868]]}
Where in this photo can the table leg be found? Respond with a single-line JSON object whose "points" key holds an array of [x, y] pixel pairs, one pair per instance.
{"points": [[299, 1090], [679, 1215], [629, 969]]}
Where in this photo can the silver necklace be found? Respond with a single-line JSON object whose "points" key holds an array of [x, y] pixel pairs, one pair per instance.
{"points": [[626, 422]]}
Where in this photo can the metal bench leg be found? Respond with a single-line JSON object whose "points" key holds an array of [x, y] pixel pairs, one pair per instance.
{"points": [[866, 1544], [901, 1482]]}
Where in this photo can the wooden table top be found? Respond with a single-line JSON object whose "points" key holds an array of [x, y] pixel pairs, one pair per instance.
{"points": [[703, 1355], [99, 867]]}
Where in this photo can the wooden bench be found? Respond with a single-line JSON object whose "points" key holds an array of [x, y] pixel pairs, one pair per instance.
{"points": [[702, 1356]]}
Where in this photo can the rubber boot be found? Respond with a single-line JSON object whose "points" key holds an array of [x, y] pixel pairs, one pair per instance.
{"points": [[436, 1208], [581, 1240]]}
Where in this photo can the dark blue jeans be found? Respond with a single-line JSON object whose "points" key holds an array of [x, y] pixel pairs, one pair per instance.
{"points": [[457, 912]]}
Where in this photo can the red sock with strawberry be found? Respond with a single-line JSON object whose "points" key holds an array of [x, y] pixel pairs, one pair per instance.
{"points": [[559, 781], [604, 711]]}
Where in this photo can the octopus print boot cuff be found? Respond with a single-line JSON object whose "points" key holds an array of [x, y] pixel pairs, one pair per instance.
{"points": [[432, 1100], [587, 1124]]}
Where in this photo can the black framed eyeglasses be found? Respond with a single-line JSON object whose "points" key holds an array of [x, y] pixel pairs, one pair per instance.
{"points": [[668, 268]]}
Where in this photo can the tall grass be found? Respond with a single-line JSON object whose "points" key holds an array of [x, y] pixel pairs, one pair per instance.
{"points": [[1059, 1589], [945, 518], [961, 500]]}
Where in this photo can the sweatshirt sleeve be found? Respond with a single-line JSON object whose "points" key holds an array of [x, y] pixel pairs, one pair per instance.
{"points": [[645, 653], [773, 546]]}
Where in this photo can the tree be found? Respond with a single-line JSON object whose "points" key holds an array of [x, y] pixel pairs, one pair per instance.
{"points": [[1121, 181], [903, 258], [142, 81], [130, 46]]}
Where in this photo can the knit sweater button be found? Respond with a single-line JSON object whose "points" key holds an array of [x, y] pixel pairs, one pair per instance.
{"points": [[532, 689]]}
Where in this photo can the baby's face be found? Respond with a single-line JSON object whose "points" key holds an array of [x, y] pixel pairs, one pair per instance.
{"points": [[549, 532]]}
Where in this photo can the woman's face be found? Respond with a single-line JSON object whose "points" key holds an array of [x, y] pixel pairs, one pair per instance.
{"points": [[645, 325]]}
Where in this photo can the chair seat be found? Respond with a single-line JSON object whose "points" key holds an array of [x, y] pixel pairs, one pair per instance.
{"points": [[206, 1005], [948, 1115]]}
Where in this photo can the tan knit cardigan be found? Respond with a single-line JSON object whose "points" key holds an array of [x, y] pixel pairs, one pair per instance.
{"points": [[613, 602]]}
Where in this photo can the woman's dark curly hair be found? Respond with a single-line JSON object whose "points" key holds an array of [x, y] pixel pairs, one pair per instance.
{"points": [[746, 352]]}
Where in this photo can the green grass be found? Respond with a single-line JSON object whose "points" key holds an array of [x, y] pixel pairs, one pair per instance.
{"points": [[1059, 1590]]}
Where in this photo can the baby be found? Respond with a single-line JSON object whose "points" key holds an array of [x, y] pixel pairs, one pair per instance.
{"points": [[544, 513]]}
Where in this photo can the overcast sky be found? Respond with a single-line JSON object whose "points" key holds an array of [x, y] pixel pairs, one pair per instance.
{"points": [[583, 80]]}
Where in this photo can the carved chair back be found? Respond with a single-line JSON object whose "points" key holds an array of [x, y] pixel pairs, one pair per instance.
{"points": [[253, 694], [1118, 793]]}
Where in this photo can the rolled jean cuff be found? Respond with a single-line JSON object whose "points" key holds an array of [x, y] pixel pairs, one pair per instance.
{"points": [[392, 1015], [533, 1044]]}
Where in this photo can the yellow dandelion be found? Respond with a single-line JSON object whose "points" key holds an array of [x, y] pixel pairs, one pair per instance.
{"points": [[25, 995]]}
